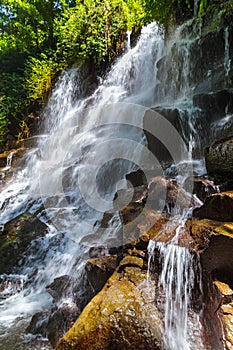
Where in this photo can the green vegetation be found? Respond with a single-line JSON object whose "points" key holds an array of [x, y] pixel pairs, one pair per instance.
{"points": [[38, 38]]}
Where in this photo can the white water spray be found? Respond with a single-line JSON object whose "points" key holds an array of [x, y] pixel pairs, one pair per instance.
{"points": [[227, 60], [179, 276]]}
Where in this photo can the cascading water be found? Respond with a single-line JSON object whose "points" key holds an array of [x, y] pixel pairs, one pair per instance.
{"points": [[50, 178], [179, 276], [227, 60], [77, 150]]}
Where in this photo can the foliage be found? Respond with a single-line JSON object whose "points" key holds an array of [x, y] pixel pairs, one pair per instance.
{"points": [[209, 7], [39, 38], [11, 96], [95, 29], [39, 75]]}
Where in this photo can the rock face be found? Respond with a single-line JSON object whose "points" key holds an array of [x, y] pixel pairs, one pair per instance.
{"points": [[219, 158], [215, 104], [214, 241], [226, 311], [122, 316], [204, 62]]}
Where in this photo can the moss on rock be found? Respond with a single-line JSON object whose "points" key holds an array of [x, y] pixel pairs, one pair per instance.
{"points": [[122, 316]]}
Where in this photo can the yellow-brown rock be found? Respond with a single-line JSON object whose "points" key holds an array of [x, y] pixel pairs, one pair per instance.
{"points": [[122, 316], [229, 331], [225, 290], [131, 261], [227, 312]]}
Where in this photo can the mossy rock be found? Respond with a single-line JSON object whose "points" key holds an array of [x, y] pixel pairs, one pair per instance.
{"points": [[122, 316], [219, 158]]}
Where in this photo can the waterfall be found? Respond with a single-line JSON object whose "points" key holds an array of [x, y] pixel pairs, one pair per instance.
{"points": [[71, 176], [227, 60], [180, 274], [76, 149], [196, 3], [128, 41], [177, 280]]}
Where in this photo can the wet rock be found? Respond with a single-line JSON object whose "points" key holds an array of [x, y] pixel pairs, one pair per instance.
{"points": [[14, 154], [214, 241], [201, 187], [151, 227], [53, 324], [131, 261], [226, 292], [129, 211], [170, 193], [60, 321], [217, 207], [217, 258], [70, 296], [59, 287], [136, 252], [16, 238], [98, 252], [228, 320], [99, 270], [212, 325], [137, 233], [136, 178], [153, 132], [219, 158], [163, 195], [207, 67], [122, 316], [38, 324], [10, 285], [154, 225], [216, 104], [226, 312]]}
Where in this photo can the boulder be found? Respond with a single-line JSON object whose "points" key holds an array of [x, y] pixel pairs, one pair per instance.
{"points": [[58, 288], [54, 323], [16, 238], [168, 196], [60, 321], [219, 158], [129, 211], [99, 270], [122, 316], [217, 207]]}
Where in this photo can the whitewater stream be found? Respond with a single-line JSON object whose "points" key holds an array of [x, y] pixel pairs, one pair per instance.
{"points": [[86, 148]]}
